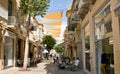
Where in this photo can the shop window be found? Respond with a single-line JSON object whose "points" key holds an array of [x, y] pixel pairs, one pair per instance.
{"points": [[100, 26], [107, 48], [8, 52], [87, 47]]}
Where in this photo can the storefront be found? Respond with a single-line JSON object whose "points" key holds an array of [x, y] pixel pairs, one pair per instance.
{"points": [[20, 50], [103, 37], [9, 49], [104, 41], [8, 52]]}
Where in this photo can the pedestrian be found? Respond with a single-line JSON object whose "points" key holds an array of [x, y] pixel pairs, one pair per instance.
{"points": [[103, 63], [28, 62], [35, 61], [54, 58]]}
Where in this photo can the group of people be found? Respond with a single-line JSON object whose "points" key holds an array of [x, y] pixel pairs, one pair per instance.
{"points": [[66, 63]]}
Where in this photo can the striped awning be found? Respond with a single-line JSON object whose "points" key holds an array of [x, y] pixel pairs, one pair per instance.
{"points": [[52, 23]]}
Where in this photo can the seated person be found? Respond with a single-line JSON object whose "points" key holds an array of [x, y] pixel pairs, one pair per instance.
{"points": [[75, 64], [62, 64]]}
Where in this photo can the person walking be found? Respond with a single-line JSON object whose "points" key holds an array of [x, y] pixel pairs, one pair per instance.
{"points": [[54, 58], [103, 63]]}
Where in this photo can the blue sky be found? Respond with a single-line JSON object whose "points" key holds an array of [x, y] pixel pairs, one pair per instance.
{"points": [[59, 5]]}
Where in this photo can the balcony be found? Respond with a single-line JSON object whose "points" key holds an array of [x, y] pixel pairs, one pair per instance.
{"points": [[84, 6], [74, 18], [73, 21]]}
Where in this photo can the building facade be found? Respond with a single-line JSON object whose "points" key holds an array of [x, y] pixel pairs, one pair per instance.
{"points": [[13, 35], [8, 36], [97, 32]]}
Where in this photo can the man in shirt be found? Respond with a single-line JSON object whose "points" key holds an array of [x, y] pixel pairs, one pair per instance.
{"points": [[75, 65], [77, 62]]}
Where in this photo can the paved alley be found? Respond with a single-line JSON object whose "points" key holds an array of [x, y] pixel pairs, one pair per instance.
{"points": [[46, 67]]}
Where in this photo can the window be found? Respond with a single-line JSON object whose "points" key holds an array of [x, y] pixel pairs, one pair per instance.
{"points": [[108, 26], [101, 27], [9, 12], [87, 47], [9, 8]]}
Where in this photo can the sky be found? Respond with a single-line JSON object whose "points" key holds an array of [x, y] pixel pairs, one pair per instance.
{"points": [[59, 5]]}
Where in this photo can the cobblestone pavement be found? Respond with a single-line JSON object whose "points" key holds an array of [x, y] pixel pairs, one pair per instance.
{"points": [[45, 67]]}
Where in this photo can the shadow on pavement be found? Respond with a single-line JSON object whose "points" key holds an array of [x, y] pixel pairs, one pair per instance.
{"points": [[50, 68]]}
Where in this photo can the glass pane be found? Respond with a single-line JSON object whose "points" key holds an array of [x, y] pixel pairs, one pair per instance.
{"points": [[87, 47], [8, 52], [102, 26], [108, 59]]}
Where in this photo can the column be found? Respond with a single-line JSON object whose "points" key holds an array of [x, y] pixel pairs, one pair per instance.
{"points": [[2, 49], [92, 44], [116, 36], [83, 47], [14, 51]]}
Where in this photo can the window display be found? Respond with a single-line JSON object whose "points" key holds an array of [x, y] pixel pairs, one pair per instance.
{"points": [[87, 47], [104, 43], [8, 51]]}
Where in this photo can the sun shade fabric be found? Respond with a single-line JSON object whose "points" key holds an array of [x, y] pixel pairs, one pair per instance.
{"points": [[52, 23], [56, 15]]}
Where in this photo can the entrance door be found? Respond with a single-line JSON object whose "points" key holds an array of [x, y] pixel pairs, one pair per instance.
{"points": [[98, 51], [8, 52], [107, 47]]}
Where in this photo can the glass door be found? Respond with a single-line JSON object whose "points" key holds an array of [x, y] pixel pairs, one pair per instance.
{"points": [[8, 52]]}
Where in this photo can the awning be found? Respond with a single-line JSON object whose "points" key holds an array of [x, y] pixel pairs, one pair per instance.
{"points": [[52, 23]]}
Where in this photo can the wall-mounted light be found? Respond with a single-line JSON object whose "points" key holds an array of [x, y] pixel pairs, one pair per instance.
{"points": [[1, 22]]}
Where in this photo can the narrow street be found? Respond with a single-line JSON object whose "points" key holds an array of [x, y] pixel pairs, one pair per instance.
{"points": [[45, 67], [81, 35]]}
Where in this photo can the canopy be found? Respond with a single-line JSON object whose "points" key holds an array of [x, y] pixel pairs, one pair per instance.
{"points": [[52, 23]]}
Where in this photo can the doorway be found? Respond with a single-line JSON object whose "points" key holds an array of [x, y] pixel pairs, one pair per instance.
{"points": [[8, 52]]}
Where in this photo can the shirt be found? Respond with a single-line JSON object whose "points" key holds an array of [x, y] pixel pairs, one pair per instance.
{"points": [[77, 62]]}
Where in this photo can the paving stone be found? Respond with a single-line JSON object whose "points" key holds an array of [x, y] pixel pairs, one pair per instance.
{"points": [[45, 67]]}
